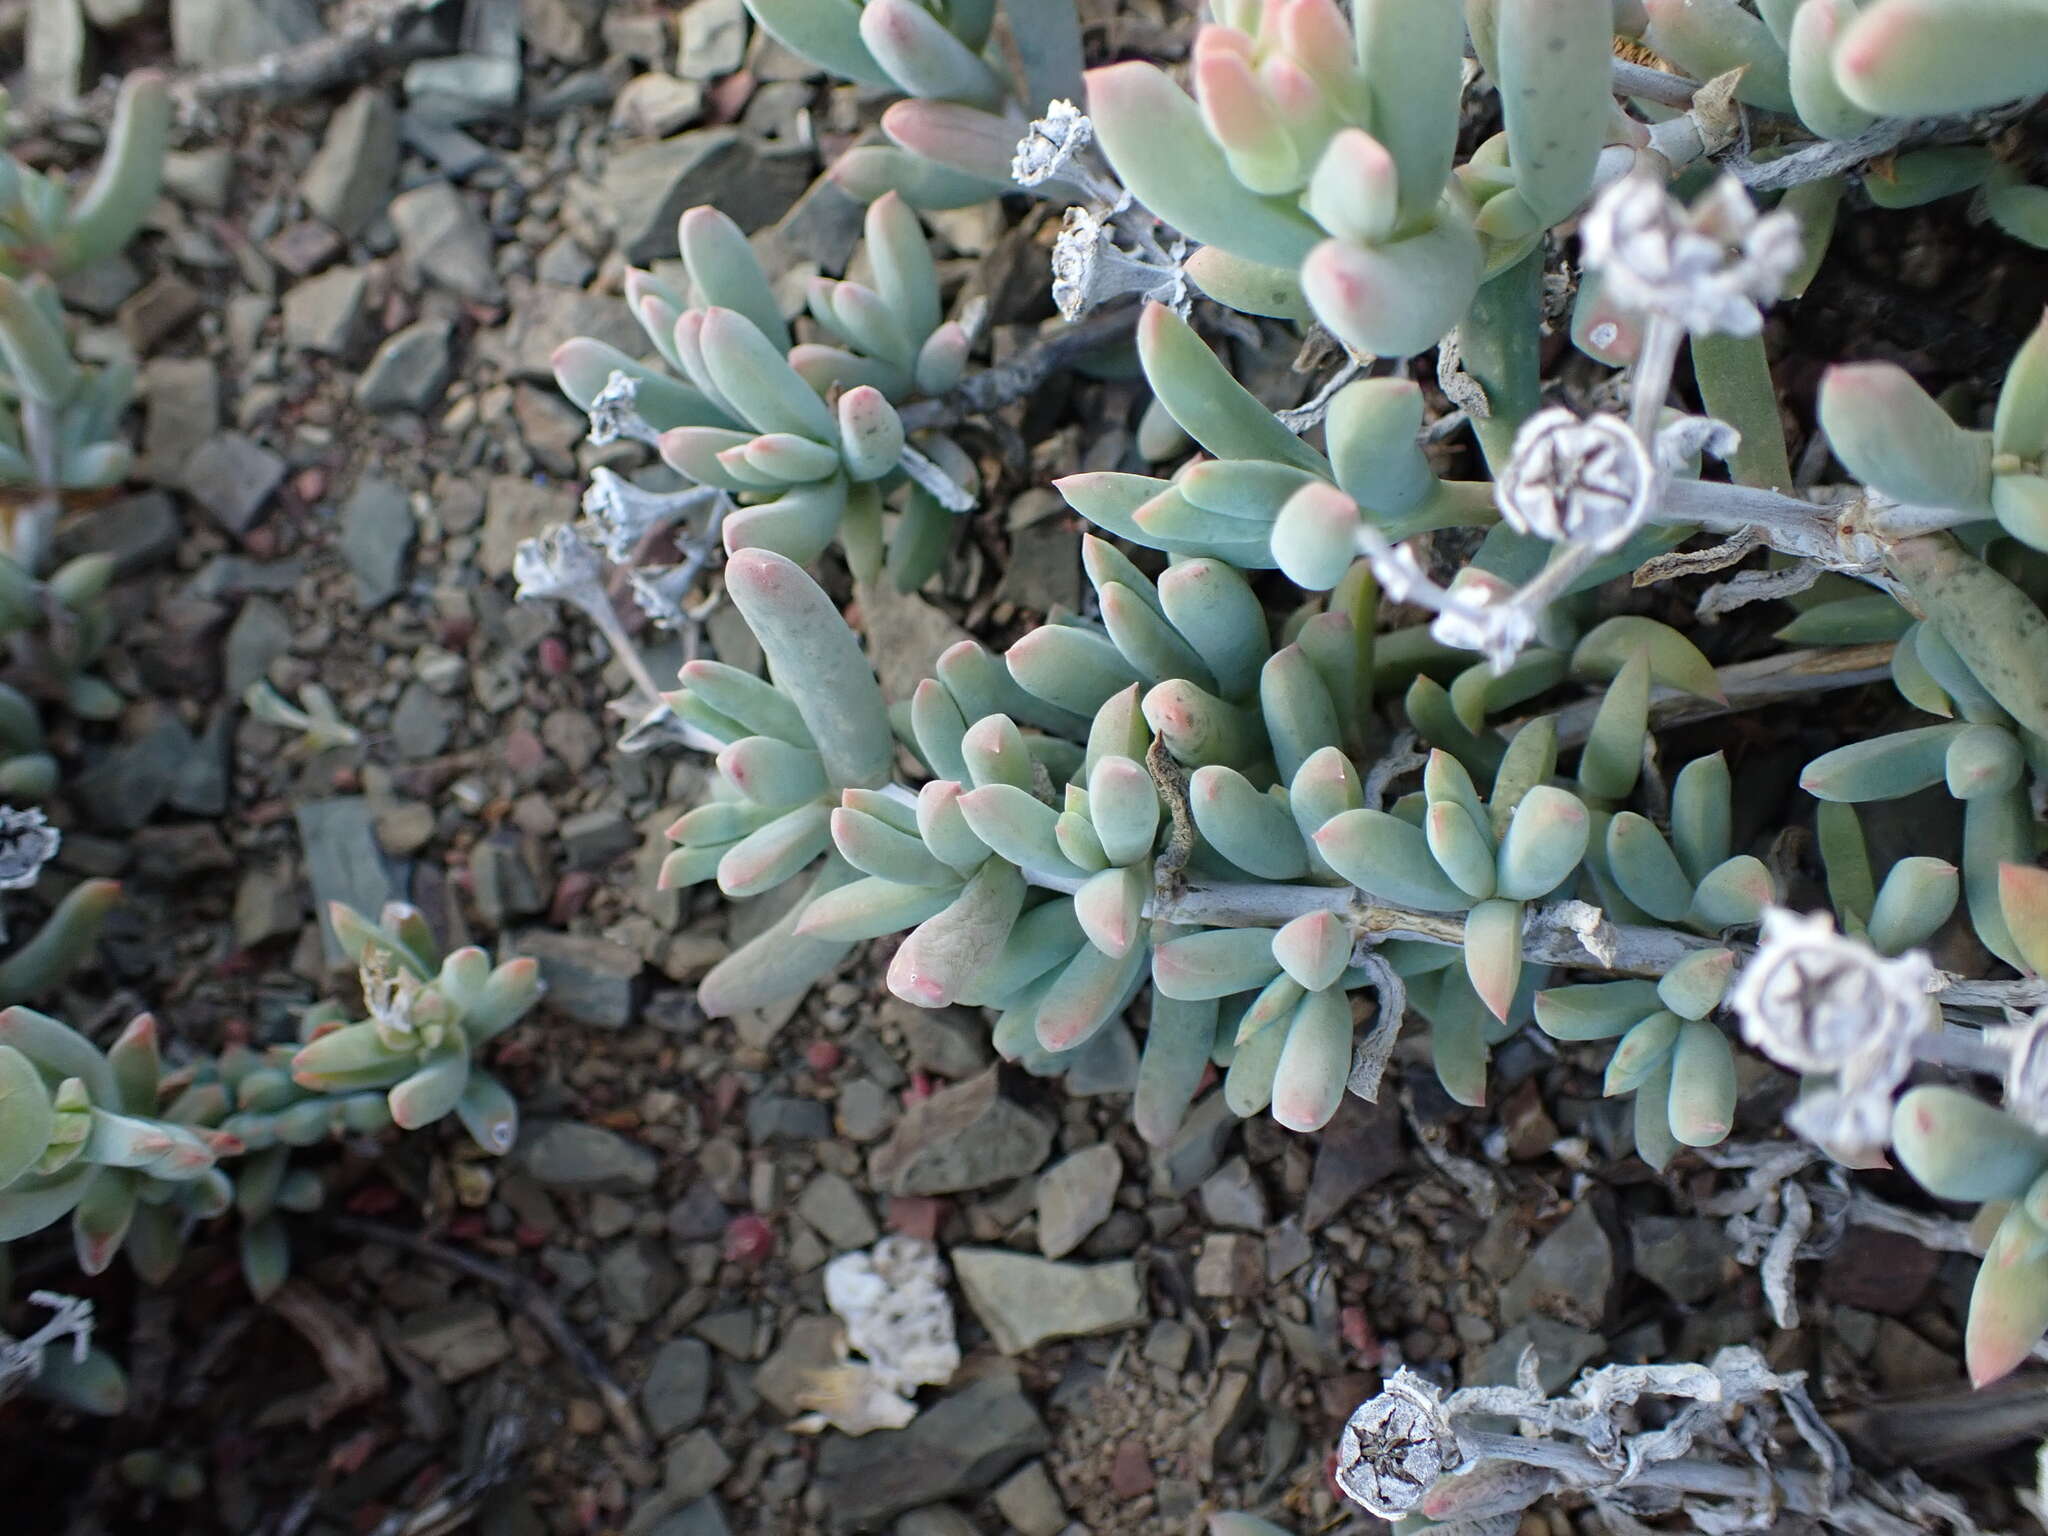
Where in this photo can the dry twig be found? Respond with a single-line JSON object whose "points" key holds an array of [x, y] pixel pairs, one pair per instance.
{"points": [[451, 1504], [348, 1351], [530, 1300]]}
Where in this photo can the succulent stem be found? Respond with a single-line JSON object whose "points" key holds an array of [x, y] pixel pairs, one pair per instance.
{"points": [[1650, 380], [1647, 84], [1017, 377]]}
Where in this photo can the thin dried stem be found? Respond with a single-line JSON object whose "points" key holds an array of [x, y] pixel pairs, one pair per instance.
{"points": [[1019, 376], [529, 1298]]}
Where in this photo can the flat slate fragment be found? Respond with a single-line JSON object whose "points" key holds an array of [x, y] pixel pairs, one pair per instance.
{"points": [[590, 980], [343, 861], [231, 477], [963, 1444], [1024, 1301], [568, 1154], [457, 1340], [376, 537], [964, 1137]]}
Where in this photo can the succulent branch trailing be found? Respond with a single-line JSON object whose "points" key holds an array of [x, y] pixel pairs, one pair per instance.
{"points": [[1412, 1451], [135, 1151]]}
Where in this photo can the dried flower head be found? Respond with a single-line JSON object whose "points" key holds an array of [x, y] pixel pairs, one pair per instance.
{"points": [[1581, 481], [1089, 269], [1050, 143], [660, 590], [1082, 246], [558, 564], [27, 843], [1684, 438], [618, 515], [614, 413], [390, 993], [319, 723], [1708, 268], [933, 477], [1395, 1446], [1814, 1001], [1483, 613], [1849, 1118], [1477, 612], [21, 1360], [1817, 1002]]}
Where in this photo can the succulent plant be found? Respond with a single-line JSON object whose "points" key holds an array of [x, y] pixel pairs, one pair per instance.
{"points": [[1223, 797], [58, 434], [1174, 741], [44, 229], [952, 141], [806, 436], [59, 430], [133, 1151], [60, 427], [1960, 1148]]}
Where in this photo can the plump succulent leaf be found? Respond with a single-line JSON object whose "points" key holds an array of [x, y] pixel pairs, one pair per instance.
{"points": [[815, 659], [1315, 1062], [1960, 1148], [1892, 435], [2009, 1302], [1995, 628], [1909, 58], [1160, 148], [1553, 60]]}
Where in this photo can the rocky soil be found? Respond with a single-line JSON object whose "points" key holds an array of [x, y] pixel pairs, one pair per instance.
{"points": [[342, 311]]}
